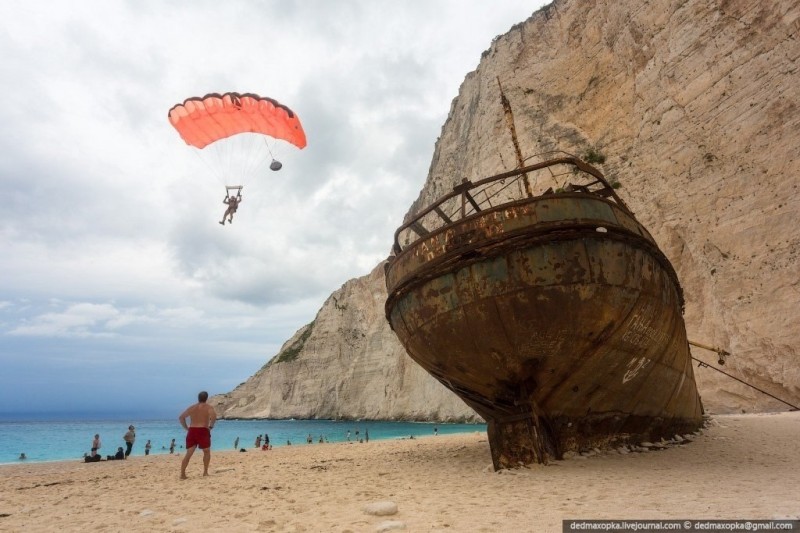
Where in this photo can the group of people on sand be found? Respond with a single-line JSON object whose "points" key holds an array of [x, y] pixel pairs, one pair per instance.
{"points": [[198, 420], [260, 443], [129, 438]]}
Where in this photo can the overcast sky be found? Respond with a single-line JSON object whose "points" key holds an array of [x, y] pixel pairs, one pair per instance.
{"points": [[119, 291]]}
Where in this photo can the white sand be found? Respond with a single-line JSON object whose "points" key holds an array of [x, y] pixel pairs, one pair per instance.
{"points": [[742, 466]]}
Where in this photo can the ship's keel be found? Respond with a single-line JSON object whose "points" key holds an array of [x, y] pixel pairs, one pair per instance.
{"points": [[521, 440], [528, 438]]}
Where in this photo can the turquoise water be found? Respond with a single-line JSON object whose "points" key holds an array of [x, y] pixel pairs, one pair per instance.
{"points": [[63, 440]]}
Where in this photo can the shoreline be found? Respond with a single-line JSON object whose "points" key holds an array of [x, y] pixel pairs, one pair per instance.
{"points": [[36, 441], [179, 452], [740, 467]]}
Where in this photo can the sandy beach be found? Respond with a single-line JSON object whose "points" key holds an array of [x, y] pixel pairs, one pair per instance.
{"points": [[740, 466]]}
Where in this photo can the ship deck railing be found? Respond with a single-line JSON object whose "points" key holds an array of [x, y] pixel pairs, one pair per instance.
{"points": [[564, 174]]}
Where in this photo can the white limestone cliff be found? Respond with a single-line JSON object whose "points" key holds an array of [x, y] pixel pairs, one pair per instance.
{"points": [[694, 104], [346, 364]]}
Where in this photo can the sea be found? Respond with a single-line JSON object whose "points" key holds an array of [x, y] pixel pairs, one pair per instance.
{"points": [[61, 440]]}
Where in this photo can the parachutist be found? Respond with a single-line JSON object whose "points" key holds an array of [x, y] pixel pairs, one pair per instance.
{"points": [[226, 130], [233, 204]]}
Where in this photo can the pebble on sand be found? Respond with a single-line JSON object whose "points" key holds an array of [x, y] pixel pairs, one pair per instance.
{"points": [[390, 525], [386, 508]]}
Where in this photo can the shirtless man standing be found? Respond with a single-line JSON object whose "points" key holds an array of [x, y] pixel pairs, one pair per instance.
{"points": [[198, 432]]}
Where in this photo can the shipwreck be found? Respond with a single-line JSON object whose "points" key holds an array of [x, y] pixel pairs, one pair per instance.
{"points": [[538, 298]]}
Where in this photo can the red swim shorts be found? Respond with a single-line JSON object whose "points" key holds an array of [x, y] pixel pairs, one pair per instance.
{"points": [[200, 437]]}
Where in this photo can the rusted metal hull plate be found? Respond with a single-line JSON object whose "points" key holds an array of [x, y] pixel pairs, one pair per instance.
{"points": [[547, 326]]}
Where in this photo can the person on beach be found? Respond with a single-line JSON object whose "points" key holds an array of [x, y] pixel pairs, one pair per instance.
{"points": [[258, 441], [198, 433], [129, 438], [147, 447], [236, 444], [22, 456], [95, 444], [172, 446], [117, 456], [266, 441]]}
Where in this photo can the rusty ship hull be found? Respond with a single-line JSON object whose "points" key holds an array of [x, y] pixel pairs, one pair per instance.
{"points": [[556, 317]]}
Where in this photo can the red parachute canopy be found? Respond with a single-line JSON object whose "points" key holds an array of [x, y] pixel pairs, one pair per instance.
{"points": [[201, 121]]}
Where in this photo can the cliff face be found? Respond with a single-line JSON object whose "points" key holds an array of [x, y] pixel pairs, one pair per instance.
{"points": [[345, 364], [694, 105]]}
